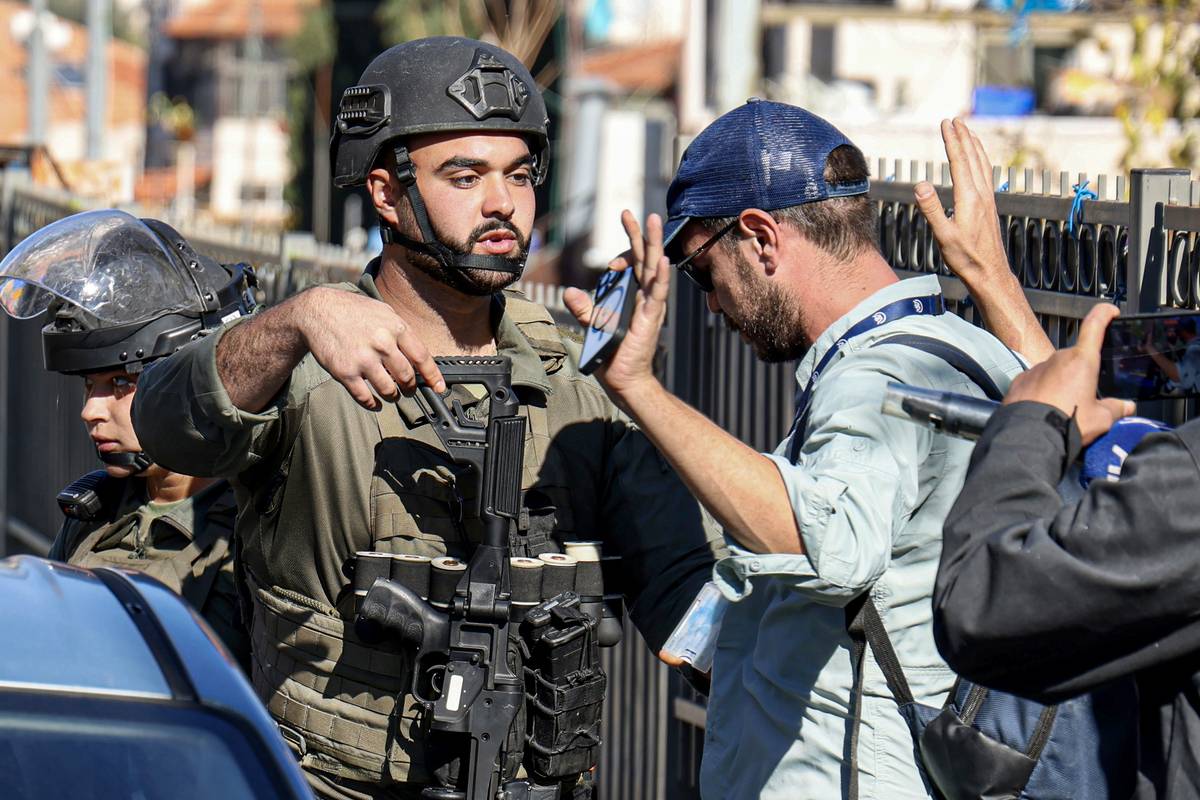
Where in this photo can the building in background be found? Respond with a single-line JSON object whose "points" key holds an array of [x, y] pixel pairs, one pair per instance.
{"points": [[1045, 87], [62, 161], [1049, 85], [229, 64], [619, 125]]}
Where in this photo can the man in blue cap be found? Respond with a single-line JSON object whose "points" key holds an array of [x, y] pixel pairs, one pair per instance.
{"points": [[768, 214]]}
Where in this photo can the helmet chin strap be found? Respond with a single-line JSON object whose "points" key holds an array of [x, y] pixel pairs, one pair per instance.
{"points": [[138, 462], [430, 245]]}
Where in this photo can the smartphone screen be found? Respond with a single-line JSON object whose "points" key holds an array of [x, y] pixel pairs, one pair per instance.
{"points": [[1151, 356], [615, 297]]}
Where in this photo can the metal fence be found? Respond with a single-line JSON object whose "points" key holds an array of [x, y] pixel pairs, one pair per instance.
{"points": [[1136, 244]]}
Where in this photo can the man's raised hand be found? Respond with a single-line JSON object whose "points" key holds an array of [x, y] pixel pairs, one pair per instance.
{"points": [[970, 241], [971, 244], [1068, 380], [633, 362]]}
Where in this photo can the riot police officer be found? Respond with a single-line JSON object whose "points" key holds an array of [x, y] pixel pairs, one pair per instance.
{"points": [[449, 137], [118, 293]]}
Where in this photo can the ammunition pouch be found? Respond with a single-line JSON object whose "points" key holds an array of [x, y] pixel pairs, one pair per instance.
{"points": [[564, 689], [536, 526], [553, 645]]}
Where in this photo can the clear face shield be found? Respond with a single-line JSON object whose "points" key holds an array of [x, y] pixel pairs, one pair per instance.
{"points": [[108, 263]]}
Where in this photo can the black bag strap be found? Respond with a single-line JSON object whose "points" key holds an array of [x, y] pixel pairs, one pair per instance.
{"points": [[865, 629], [863, 623], [952, 356]]}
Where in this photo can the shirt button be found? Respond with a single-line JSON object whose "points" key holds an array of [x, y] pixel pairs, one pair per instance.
{"points": [[756, 565]]}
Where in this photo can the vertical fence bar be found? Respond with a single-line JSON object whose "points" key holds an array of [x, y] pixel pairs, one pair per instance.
{"points": [[6, 217], [6, 344], [1147, 241]]}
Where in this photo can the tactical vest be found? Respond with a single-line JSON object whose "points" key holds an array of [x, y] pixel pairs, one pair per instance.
{"points": [[194, 561], [342, 705]]}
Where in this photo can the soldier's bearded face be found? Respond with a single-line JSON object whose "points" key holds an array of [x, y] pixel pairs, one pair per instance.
{"points": [[478, 191]]}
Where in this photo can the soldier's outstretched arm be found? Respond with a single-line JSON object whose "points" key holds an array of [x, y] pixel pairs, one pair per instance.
{"points": [[231, 401], [360, 341], [972, 247]]}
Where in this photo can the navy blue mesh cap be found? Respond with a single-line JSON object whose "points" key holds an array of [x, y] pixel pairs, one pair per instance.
{"points": [[760, 155]]}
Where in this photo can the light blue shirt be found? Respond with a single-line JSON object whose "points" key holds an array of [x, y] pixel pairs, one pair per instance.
{"points": [[870, 494]]}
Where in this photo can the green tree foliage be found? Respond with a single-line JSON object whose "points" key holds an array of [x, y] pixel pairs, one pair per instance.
{"points": [[1166, 79], [403, 20], [315, 44], [519, 26]]}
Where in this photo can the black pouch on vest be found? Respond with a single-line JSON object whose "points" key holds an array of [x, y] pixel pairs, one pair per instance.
{"points": [[564, 689], [536, 525], [956, 758]]}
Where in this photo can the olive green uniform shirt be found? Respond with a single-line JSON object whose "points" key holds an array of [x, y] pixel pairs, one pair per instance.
{"points": [[187, 545]]}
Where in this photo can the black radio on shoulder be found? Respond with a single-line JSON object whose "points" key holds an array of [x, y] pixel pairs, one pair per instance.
{"points": [[86, 497]]}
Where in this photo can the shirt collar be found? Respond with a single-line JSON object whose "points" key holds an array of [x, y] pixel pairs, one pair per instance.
{"points": [[527, 368], [181, 515], [901, 290]]}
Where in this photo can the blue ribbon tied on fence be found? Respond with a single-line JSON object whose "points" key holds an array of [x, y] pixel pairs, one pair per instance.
{"points": [[1075, 218]]}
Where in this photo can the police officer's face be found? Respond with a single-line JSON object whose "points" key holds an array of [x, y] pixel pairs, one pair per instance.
{"points": [[479, 193], [107, 401]]}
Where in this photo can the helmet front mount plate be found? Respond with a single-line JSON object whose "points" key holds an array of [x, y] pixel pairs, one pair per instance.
{"points": [[471, 89]]}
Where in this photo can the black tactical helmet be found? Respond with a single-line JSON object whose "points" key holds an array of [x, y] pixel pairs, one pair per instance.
{"points": [[434, 85], [118, 292]]}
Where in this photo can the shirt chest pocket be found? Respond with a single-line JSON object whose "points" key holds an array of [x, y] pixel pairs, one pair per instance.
{"points": [[417, 503], [421, 503]]}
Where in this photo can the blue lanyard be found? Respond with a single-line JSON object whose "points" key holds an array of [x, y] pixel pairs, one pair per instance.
{"points": [[929, 305]]}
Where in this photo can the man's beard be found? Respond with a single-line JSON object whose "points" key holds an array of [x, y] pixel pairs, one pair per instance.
{"points": [[474, 282], [773, 324]]}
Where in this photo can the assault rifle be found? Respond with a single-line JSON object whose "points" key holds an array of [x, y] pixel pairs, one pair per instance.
{"points": [[462, 676]]}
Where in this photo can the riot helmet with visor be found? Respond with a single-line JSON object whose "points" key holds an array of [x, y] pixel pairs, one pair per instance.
{"points": [[118, 292]]}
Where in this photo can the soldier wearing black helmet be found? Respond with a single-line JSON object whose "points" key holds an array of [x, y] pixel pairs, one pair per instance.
{"points": [[118, 293], [304, 407]]}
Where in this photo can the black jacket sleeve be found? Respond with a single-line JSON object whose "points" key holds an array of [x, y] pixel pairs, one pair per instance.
{"points": [[1048, 600]]}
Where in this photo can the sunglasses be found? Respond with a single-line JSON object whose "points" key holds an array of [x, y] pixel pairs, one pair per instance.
{"points": [[703, 279]]}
